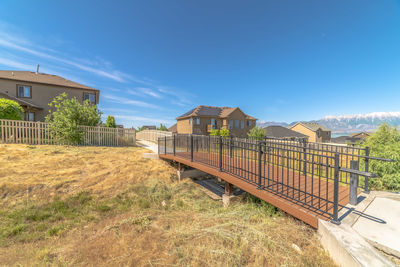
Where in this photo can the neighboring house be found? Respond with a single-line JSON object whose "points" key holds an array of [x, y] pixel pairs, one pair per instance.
{"points": [[362, 135], [281, 132], [34, 91], [344, 139], [315, 132], [173, 129], [149, 127], [203, 119]]}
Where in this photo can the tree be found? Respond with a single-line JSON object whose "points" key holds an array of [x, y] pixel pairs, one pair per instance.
{"points": [[162, 128], [68, 115], [10, 110], [110, 122], [385, 143], [139, 129], [257, 133]]}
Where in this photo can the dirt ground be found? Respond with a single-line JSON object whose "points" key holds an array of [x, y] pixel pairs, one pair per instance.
{"points": [[97, 206]]}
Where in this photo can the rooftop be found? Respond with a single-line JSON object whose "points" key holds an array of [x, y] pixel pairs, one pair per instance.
{"points": [[282, 132], [212, 111], [29, 76]]}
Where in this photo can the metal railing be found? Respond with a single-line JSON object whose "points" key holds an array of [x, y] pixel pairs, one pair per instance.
{"points": [[311, 175]]}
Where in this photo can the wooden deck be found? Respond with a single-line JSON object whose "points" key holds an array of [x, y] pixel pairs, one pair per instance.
{"points": [[301, 196]]}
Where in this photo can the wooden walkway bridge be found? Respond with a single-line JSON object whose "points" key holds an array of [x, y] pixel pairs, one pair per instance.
{"points": [[307, 182]]}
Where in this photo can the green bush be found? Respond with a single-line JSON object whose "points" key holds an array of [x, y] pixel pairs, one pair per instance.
{"points": [[68, 115], [257, 133], [110, 122], [223, 132], [162, 128], [385, 143], [214, 132], [10, 110]]}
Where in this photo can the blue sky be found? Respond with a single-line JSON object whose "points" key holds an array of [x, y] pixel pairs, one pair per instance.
{"points": [[154, 60]]}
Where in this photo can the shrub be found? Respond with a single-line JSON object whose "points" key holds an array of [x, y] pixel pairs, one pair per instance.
{"points": [[214, 132], [68, 115], [110, 122], [10, 110], [256, 133], [224, 132], [385, 143], [162, 128]]}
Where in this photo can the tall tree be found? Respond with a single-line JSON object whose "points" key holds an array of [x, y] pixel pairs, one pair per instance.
{"points": [[10, 110]]}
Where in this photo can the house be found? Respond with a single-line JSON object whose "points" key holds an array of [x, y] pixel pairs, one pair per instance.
{"points": [[34, 91], [203, 119], [149, 127], [315, 131], [280, 132], [362, 135], [173, 129]]}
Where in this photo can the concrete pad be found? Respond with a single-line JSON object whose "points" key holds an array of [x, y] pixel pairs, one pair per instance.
{"points": [[348, 248], [381, 226]]}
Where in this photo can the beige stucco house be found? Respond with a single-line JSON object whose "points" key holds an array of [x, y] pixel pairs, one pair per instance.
{"points": [[315, 132], [203, 119], [34, 91]]}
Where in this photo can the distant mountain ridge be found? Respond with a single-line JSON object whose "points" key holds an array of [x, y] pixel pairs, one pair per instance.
{"points": [[347, 124]]}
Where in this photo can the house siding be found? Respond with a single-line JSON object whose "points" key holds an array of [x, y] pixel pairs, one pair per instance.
{"points": [[43, 94], [324, 137]]}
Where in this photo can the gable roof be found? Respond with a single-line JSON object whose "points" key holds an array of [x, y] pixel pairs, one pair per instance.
{"points": [[211, 111], [173, 128], [277, 131], [29, 76], [313, 126]]}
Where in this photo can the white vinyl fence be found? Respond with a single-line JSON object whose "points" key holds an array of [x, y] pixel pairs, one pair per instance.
{"points": [[152, 135], [38, 133]]}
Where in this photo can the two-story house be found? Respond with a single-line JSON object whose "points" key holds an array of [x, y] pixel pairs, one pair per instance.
{"points": [[315, 131], [34, 91], [203, 119]]}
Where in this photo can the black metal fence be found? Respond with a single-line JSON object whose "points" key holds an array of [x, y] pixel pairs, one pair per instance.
{"points": [[310, 174]]}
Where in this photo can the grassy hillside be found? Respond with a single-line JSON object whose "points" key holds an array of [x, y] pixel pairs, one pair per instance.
{"points": [[108, 206]]}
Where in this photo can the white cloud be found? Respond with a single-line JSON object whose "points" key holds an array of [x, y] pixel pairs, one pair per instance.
{"points": [[149, 92], [146, 119], [127, 101]]}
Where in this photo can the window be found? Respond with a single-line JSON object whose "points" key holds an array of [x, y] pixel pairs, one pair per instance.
{"points": [[249, 123], [236, 123], [230, 124], [197, 121], [190, 121], [213, 122], [242, 124], [29, 116], [90, 96], [24, 91]]}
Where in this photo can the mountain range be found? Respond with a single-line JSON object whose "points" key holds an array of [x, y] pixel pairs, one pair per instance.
{"points": [[347, 124]]}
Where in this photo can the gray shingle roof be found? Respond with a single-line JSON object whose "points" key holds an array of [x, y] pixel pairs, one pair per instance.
{"points": [[313, 126], [282, 132], [221, 112]]}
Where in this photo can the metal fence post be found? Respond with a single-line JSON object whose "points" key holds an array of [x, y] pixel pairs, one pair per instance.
{"points": [[335, 218], [220, 153], [231, 146], [305, 156], [259, 164], [353, 182], [191, 147], [158, 147], [165, 145], [366, 187], [174, 145]]}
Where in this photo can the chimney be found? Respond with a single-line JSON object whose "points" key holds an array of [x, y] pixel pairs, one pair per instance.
{"points": [[37, 69]]}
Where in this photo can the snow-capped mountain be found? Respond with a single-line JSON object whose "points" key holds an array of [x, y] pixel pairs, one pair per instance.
{"points": [[346, 124]]}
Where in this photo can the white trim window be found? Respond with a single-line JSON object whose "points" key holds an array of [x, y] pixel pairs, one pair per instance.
{"points": [[24, 91], [89, 96], [197, 121]]}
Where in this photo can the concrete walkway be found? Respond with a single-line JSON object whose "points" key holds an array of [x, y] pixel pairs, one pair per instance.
{"points": [[369, 232], [147, 144]]}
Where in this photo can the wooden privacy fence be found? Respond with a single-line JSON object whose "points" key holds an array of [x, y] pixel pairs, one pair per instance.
{"points": [[152, 135], [38, 133]]}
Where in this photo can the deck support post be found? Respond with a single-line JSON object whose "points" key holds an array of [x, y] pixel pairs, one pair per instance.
{"points": [[228, 196], [191, 148], [353, 182], [335, 218], [366, 188]]}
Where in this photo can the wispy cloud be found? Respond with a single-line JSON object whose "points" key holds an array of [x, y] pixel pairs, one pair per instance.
{"points": [[127, 101], [149, 92]]}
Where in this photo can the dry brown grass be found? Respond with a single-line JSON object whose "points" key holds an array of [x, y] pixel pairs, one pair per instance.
{"points": [[150, 219]]}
